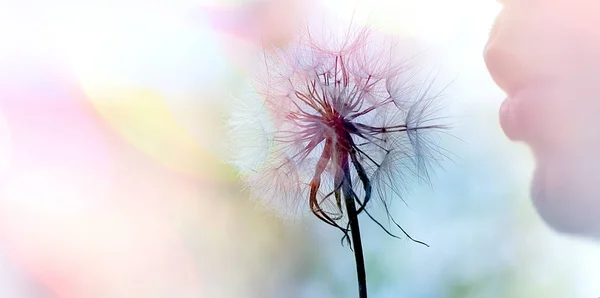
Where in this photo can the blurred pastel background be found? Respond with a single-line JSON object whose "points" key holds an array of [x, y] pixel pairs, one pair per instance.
{"points": [[113, 180]]}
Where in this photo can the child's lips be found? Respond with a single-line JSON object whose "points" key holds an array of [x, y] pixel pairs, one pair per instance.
{"points": [[525, 111], [509, 120], [519, 113], [541, 116], [526, 114]]}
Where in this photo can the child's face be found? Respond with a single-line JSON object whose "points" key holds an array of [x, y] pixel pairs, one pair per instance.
{"points": [[545, 54]]}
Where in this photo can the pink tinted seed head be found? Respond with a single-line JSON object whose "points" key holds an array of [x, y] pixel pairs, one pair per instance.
{"points": [[335, 107]]}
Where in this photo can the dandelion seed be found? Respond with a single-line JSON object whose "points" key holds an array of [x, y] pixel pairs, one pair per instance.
{"points": [[342, 121]]}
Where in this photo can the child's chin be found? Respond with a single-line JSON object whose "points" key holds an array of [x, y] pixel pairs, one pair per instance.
{"points": [[567, 197]]}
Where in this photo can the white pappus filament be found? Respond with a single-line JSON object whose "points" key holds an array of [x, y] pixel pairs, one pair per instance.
{"points": [[336, 114]]}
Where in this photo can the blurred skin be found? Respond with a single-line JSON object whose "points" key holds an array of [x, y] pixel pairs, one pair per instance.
{"points": [[546, 56]]}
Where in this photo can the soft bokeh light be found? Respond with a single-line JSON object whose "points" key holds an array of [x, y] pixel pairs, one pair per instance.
{"points": [[436, 21], [114, 179], [5, 146]]}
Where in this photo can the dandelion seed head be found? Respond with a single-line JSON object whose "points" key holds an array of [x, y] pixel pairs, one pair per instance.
{"points": [[334, 97]]}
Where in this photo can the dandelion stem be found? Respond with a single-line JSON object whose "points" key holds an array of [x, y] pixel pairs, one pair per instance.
{"points": [[355, 232]]}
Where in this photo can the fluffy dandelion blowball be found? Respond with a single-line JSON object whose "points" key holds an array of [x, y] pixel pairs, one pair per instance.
{"points": [[340, 110]]}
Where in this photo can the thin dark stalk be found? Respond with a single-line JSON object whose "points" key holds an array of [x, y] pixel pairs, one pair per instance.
{"points": [[355, 233]]}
